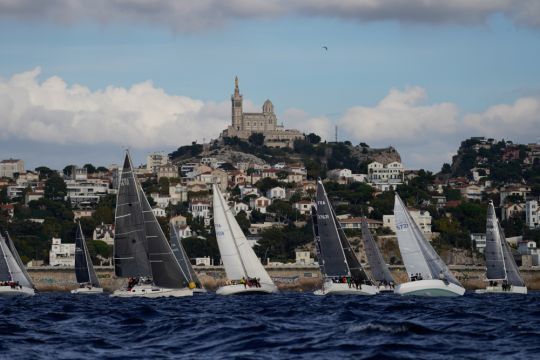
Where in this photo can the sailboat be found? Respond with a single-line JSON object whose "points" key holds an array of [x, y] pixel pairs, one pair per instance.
{"points": [[501, 269], [180, 254], [84, 270], [342, 272], [245, 273], [429, 275], [14, 279], [377, 265], [141, 251]]}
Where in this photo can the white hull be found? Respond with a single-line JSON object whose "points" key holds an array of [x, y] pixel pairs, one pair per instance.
{"points": [[330, 288], [150, 291], [240, 289], [499, 290], [385, 289], [89, 291], [17, 291], [199, 291], [429, 288]]}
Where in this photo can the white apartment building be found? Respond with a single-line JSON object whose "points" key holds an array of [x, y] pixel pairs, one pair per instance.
{"points": [[304, 258], [86, 193], [155, 160], [385, 177], [159, 212], [61, 254], [178, 193], [532, 214], [479, 241], [276, 193], [10, 167], [422, 218], [162, 201], [104, 232], [200, 209]]}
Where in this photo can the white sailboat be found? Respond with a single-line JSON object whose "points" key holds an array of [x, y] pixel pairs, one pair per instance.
{"points": [[428, 274], [14, 279], [502, 272], [244, 271], [84, 270], [343, 274], [141, 251]]}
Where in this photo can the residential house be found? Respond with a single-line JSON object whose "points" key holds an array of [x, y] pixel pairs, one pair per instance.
{"points": [[178, 194], [303, 206], [159, 212], [479, 241], [162, 201], [276, 193], [512, 210], [385, 177], [355, 223], [515, 191], [260, 203], [532, 214], [240, 206], [33, 195], [472, 192], [104, 232], [200, 208], [167, 170], [61, 254], [178, 221], [529, 248], [422, 218], [184, 231]]}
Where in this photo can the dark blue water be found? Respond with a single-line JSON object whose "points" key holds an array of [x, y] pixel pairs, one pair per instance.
{"points": [[290, 325]]}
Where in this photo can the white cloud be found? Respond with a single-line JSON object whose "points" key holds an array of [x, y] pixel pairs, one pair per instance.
{"points": [[189, 16], [140, 116]]}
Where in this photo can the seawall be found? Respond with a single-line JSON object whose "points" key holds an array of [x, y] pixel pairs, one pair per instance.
{"points": [[288, 277]]}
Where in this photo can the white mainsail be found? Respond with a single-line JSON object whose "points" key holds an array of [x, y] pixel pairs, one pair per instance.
{"points": [[16, 273], [238, 257]]}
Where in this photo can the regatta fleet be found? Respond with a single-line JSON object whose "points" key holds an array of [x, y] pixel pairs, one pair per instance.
{"points": [[154, 267]]}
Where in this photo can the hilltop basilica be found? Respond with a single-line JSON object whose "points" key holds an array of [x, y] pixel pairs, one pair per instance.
{"points": [[244, 124]]}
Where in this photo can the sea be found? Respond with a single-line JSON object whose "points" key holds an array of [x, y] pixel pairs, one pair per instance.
{"points": [[283, 326]]}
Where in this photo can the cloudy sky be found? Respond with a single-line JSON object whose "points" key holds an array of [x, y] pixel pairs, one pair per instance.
{"points": [[81, 80]]}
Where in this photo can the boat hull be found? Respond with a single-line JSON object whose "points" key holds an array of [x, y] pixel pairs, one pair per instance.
{"points": [[199, 291], [240, 289], [330, 288], [88, 291], [150, 291], [434, 288], [385, 289], [499, 290], [17, 291]]}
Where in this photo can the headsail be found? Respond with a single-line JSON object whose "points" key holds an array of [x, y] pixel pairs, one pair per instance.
{"points": [[166, 271], [84, 270], [130, 248], [495, 264], [330, 247], [417, 253], [238, 257], [377, 265], [9, 267], [181, 255], [15, 254]]}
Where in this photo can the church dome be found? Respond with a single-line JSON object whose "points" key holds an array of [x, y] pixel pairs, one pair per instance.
{"points": [[268, 107]]}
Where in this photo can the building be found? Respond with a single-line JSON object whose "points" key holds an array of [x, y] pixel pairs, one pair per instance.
{"points": [[245, 124], [355, 223], [512, 210], [178, 221], [162, 201], [184, 231], [159, 212], [10, 167], [532, 214], [155, 160], [8, 209], [86, 193], [61, 254], [528, 247], [199, 208], [479, 241], [385, 177], [178, 194], [422, 218], [276, 193], [514, 191], [167, 170], [303, 206], [104, 232], [260, 203], [303, 258]]}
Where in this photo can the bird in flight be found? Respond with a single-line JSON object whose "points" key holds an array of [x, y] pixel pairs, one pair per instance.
{"points": [[325, 48]]}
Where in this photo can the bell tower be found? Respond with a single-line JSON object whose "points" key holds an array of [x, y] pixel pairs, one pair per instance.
{"points": [[236, 101]]}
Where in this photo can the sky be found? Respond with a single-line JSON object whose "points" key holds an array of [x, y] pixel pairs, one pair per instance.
{"points": [[82, 80]]}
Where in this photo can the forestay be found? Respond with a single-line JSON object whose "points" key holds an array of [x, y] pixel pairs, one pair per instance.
{"points": [[84, 271], [130, 248], [377, 265], [238, 257], [166, 271]]}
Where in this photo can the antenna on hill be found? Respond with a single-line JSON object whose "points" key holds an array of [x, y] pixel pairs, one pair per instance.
{"points": [[336, 133]]}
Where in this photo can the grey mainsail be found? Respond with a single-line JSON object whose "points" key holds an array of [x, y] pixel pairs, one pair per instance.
{"points": [[331, 251], [130, 247], [84, 270], [417, 253], [377, 265], [5, 274], [180, 254], [495, 264], [15, 254], [166, 271]]}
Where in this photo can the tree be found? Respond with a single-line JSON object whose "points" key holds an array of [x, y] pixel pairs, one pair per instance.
{"points": [[90, 169], [102, 169], [44, 172], [313, 138], [243, 221], [256, 139], [68, 170], [55, 188], [446, 169]]}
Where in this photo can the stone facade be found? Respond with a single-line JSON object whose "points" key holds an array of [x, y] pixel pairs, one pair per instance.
{"points": [[244, 124]]}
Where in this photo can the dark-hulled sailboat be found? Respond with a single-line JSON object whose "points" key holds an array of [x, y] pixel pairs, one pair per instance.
{"points": [[14, 279], [502, 272], [141, 251], [181, 255], [340, 267], [84, 270], [379, 270]]}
